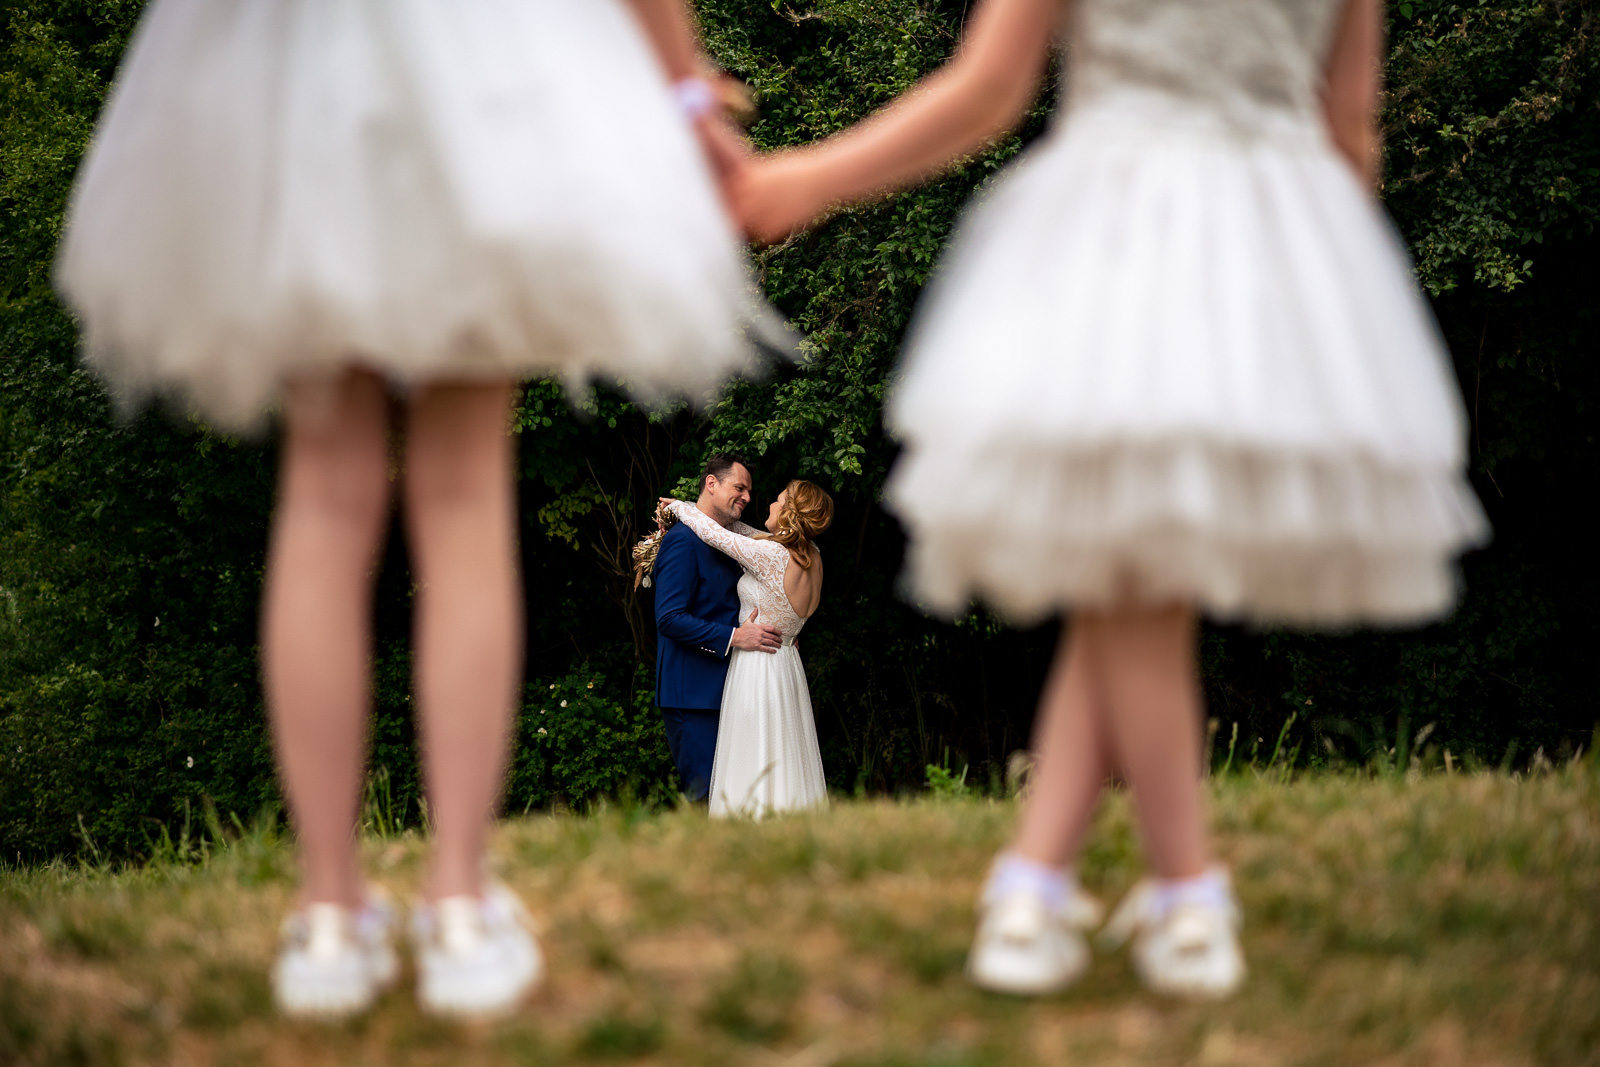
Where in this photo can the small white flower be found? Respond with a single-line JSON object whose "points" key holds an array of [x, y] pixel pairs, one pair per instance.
{"points": [[552, 685], [542, 730], [591, 685], [190, 761], [563, 703], [158, 620]]}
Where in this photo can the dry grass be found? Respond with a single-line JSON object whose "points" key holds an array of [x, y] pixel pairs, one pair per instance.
{"points": [[1444, 920]]}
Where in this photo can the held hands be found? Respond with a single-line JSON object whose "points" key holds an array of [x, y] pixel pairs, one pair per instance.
{"points": [[774, 195], [768, 196], [757, 637], [726, 152]]}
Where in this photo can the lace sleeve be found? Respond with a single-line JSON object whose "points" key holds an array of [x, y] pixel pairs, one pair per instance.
{"points": [[767, 560]]}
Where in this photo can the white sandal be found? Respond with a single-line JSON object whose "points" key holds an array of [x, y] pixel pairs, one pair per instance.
{"points": [[333, 961], [1026, 947], [1182, 947], [476, 956]]}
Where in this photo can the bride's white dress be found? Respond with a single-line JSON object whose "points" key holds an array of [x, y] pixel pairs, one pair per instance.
{"points": [[767, 757]]}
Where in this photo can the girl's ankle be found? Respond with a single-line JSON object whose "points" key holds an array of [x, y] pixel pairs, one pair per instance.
{"points": [[441, 884], [1013, 872], [1211, 890]]}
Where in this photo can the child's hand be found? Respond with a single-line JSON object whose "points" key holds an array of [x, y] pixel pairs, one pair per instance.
{"points": [[726, 151], [775, 195], [724, 146]]}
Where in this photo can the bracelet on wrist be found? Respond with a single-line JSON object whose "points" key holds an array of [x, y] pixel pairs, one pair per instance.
{"points": [[695, 97]]}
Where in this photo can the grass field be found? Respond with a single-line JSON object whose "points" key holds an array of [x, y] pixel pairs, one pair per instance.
{"points": [[1437, 920]]}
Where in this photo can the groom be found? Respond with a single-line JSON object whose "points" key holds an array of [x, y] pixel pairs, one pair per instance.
{"points": [[698, 624]]}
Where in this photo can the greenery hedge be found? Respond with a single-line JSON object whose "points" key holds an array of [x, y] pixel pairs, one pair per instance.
{"points": [[130, 552]]}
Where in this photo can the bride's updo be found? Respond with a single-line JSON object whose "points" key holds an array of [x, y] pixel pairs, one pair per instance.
{"points": [[806, 513]]}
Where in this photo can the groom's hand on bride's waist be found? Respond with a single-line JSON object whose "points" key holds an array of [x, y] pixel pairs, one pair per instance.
{"points": [[757, 637]]}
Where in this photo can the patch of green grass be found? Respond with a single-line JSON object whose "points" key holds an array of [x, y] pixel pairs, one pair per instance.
{"points": [[621, 1033], [225, 995], [94, 929], [755, 1002], [1399, 918], [32, 1031]]}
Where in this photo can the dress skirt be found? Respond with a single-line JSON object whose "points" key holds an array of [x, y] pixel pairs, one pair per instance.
{"points": [[1165, 364], [767, 757], [430, 189]]}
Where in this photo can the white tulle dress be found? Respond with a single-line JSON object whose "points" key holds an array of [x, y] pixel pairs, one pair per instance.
{"points": [[1176, 352], [427, 188], [767, 758]]}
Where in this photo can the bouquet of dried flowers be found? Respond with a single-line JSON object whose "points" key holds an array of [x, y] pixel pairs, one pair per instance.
{"points": [[644, 553]]}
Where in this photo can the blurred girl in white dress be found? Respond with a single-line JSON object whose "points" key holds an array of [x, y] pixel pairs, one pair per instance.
{"points": [[767, 757], [375, 216], [1174, 363]]}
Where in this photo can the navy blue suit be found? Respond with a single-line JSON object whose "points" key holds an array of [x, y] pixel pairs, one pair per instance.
{"points": [[697, 610]]}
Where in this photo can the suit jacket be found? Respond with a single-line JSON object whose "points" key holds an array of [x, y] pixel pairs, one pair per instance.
{"points": [[697, 610]]}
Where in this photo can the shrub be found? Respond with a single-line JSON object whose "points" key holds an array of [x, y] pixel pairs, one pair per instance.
{"points": [[575, 742]]}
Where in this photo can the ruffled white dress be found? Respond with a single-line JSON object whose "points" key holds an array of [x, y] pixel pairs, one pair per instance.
{"points": [[1177, 353], [427, 188], [767, 758]]}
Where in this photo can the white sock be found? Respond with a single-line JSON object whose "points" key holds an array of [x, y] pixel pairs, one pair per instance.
{"points": [[1012, 873], [1210, 890]]}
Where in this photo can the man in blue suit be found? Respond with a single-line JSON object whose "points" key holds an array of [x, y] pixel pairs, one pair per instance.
{"points": [[698, 625]]}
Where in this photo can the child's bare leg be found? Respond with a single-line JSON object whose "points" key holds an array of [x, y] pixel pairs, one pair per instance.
{"points": [[1149, 683], [460, 512], [333, 499], [1031, 915], [1070, 751]]}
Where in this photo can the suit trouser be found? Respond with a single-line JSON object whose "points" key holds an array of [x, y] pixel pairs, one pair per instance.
{"points": [[692, 739]]}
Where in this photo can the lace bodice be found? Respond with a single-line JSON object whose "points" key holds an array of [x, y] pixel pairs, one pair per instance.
{"points": [[764, 563], [1252, 66]]}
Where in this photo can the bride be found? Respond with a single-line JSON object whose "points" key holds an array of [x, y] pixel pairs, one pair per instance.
{"points": [[767, 757]]}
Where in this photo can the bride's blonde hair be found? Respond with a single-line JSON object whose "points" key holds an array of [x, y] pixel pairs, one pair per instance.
{"points": [[805, 514]]}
